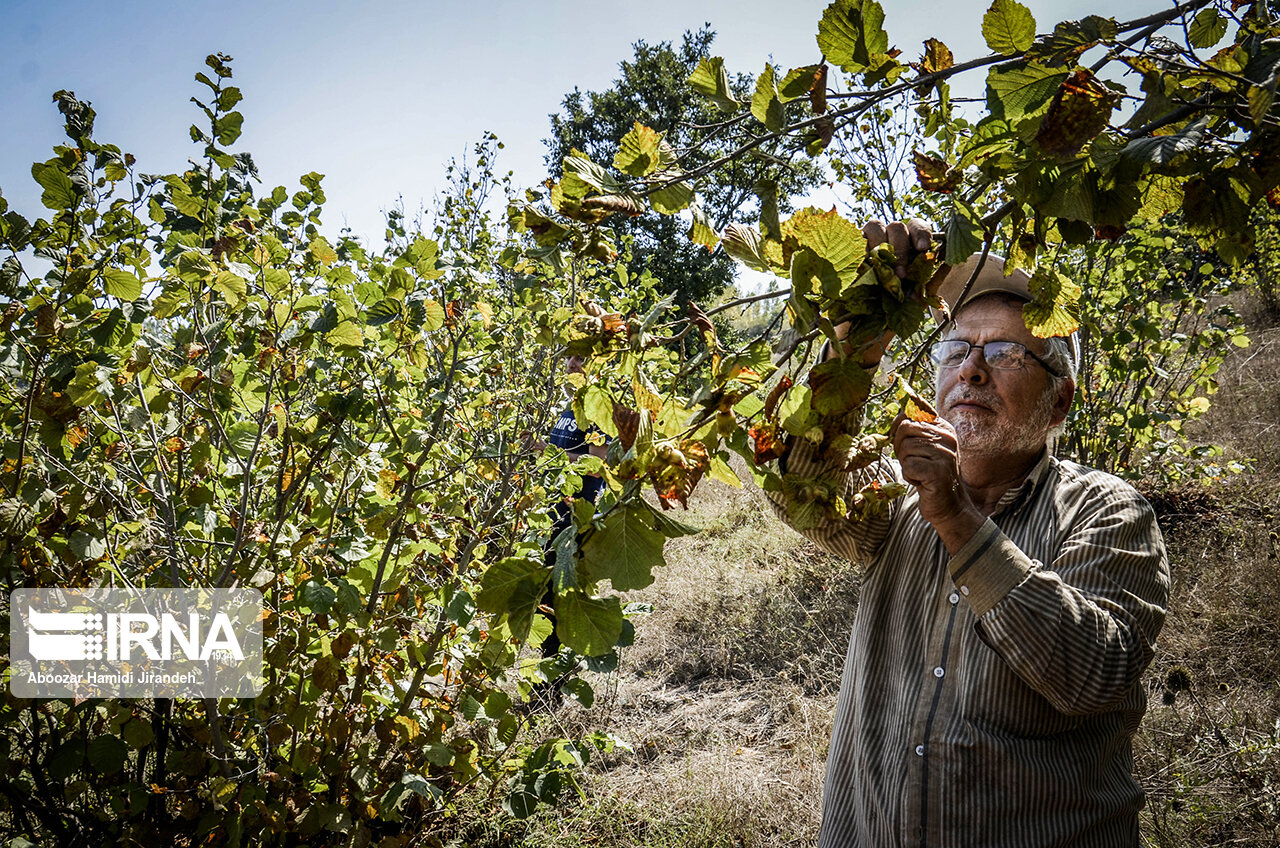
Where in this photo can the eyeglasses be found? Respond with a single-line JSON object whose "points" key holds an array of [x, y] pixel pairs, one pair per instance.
{"points": [[1003, 356]]}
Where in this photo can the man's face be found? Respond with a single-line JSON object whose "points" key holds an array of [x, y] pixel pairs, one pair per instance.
{"points": [[998, 412], [573, 364]]}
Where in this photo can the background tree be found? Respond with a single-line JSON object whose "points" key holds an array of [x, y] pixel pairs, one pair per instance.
{"points": [[652, 88]]}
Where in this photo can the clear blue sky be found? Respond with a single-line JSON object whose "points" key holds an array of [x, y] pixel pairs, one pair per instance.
{"points": [[379, 95]]}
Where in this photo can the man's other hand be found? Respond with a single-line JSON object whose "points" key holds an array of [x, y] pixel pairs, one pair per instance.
{"points": [[929, 454]]}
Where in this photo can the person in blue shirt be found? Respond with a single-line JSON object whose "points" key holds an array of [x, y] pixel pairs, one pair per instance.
{"points": [[567, 435]]}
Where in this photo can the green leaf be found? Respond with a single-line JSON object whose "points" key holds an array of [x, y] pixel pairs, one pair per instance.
{"points": [[624, 550], [1260, 99], [711, 79], [851, 33], [795, 412], [813, 275], [1008, 27], [564, 573], [347, 333], [964, 235], [91, 385], [748, 246], [590, 626], [798, 82], [121, 284], [231, 286], [1161, 150], [317, 597], [839, 386], [394, 798], [228, 98], [384, 312], [17, 517], [1026, 90], [767, 191], [701, 230], [137, 733], [59, 192], [639, 151], [522, 605], [766, 106], [580, 691], [87, 547], [598, 406], [242, 436], [228, 127], [1054, 309], [167, 303], [827, 234], [578, 166], [672, 198], [107, 754], [670, 527], [1207, 28], [502, 579]]}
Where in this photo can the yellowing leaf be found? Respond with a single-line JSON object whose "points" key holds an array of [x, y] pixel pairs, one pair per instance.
{"points": [[347, 333], [934, 173], [322, 251], [1054, 309], [639, 151], [701, 230], [828, 234], [937, 57], [672, 198], [766, 106], [1080, 110], [711, 79], [914, 405]]}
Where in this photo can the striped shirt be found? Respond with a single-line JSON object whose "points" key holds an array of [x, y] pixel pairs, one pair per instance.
{"points": [[990, 698]]}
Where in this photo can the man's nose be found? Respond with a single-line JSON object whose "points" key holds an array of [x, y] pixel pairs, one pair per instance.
{"points": [[974, 369]]}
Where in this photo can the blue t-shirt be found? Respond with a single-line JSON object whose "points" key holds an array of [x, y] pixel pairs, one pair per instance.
{"points": [[568, 436]]}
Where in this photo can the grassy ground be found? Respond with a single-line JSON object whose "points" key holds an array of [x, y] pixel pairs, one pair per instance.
{"points": [[727, 697]]}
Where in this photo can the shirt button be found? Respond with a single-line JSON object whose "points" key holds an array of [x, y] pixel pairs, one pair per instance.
{"points": [[938, 672], [919, 750], [954, 598], [964, 590]]}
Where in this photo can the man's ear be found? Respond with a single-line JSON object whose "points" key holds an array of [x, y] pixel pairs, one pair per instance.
{"points": [[1062, 403]]}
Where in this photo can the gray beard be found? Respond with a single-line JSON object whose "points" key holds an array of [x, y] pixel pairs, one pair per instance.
{"points": [[982, 435]]}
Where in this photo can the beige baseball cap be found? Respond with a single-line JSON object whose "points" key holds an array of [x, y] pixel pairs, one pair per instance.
{"points": [[991, 278]]}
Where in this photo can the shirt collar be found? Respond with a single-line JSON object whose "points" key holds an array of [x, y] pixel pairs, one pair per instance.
{"points": [[1031, 483]]}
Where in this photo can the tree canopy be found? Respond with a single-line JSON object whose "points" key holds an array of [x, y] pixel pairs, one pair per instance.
{"points": [[652, 89]]}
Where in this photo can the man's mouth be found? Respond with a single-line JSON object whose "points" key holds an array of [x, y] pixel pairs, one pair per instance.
{"points": [[970, 403]]}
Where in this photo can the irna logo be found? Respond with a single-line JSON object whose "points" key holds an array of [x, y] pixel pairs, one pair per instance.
{"points": [[83, 636], [136, 643]]}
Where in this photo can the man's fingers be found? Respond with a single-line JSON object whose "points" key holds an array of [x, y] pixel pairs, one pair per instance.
{"points": [[896, 233], [873, 232], [919, 234]]}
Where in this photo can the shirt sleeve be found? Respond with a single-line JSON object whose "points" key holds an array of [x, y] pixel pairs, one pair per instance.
{"points": [[855, 539], [1080, 630]]}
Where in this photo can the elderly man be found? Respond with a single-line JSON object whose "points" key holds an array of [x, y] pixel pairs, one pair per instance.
{"points": [[1009, 607]]}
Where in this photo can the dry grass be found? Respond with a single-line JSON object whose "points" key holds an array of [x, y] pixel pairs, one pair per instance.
{"points": [[1209, 755], [727, 697]]}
